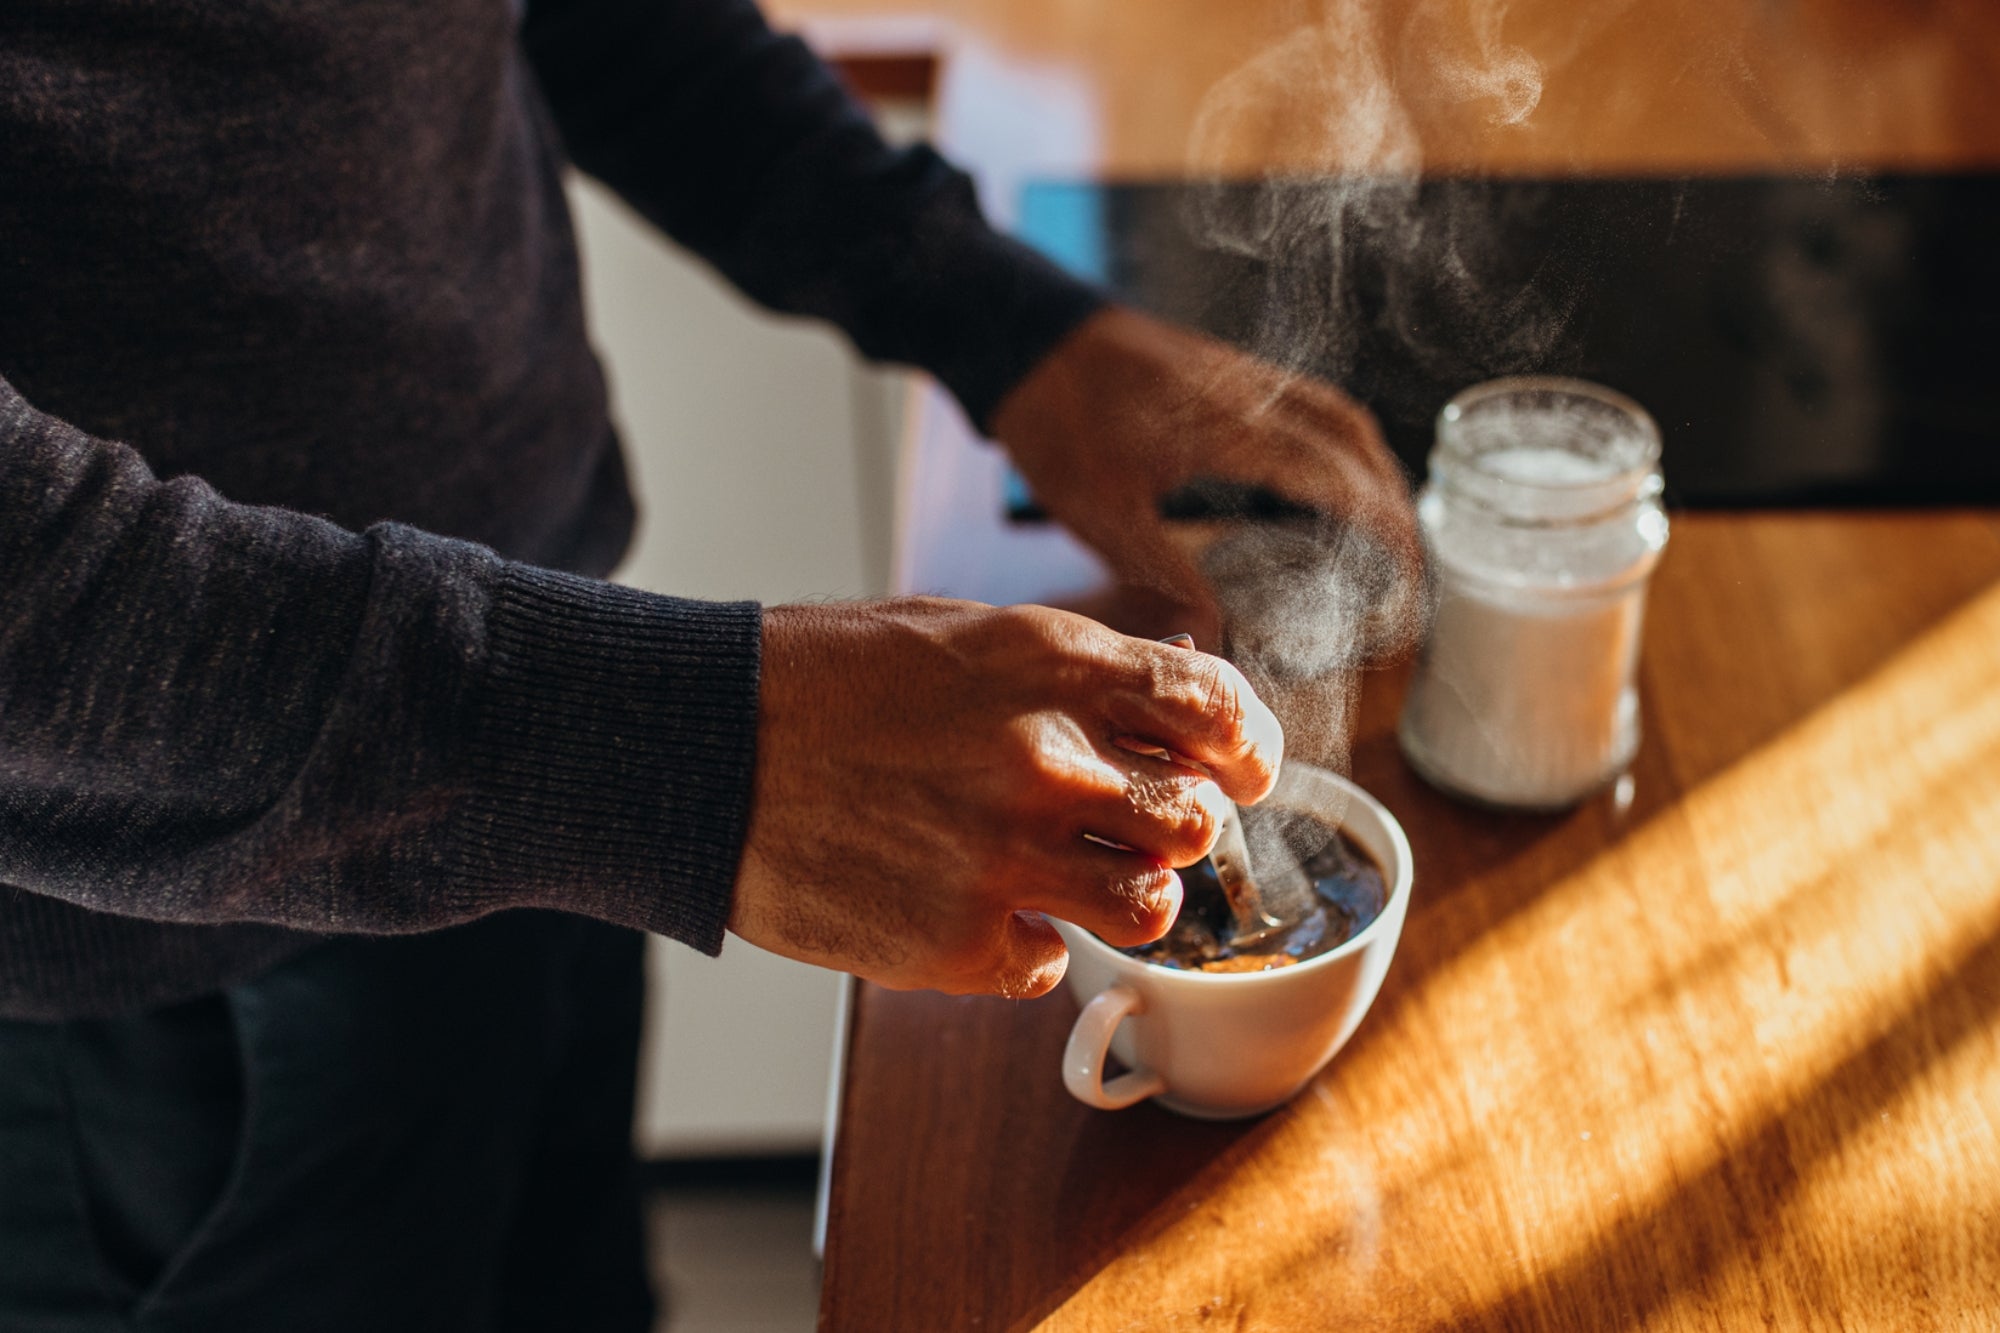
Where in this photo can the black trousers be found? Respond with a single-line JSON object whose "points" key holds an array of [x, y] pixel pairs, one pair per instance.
{"points": [[428, 1133]]}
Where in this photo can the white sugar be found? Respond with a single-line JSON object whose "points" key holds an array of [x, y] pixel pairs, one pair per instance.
{"points": [[1543, 523], [1544, 467]]}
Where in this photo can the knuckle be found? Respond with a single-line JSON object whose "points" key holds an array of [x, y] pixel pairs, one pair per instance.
{"points": [[1025, 750], [1025, 959], [1195, 830], [1056, 633], [1025, 980], [1051, 770], [1142, 908], [1221, 702], [1027, 620], [1154, 916], [1035, 763], [1180, 683], [1070, 654], [1184, 824]]}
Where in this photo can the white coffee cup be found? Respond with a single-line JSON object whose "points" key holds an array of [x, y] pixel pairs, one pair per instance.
{"points": [[1221, 1045]]}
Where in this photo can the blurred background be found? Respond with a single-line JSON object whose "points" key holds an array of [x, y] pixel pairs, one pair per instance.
{"points": [[764, 452]]}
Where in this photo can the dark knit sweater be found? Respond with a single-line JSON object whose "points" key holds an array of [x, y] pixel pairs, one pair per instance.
{"points": [[298, 422]]}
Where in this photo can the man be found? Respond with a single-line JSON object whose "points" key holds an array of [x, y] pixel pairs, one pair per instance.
{"points": [[306, 674]]}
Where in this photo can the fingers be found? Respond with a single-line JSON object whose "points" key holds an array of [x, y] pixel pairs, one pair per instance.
{"points": [[1325, 452], [1201, 707], [1161, 810], [1123, 898], [1017, 955], [1314, 445], [1328, 453], [1107, 866], [1034, 958], [1140, 546], [1124, 906]]}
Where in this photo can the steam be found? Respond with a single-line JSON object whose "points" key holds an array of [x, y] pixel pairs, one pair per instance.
{"points": [[1358, 250], [1309, 604], [1350, 240], [1322, 95], [1505, 79], [1353, 245]]}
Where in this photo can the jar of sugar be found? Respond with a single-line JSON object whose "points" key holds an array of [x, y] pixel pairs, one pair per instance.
{"points": [[1542, 519]]}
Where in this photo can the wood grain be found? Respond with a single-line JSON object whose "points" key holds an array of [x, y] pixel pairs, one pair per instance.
{"points": [[1539, 87], [1720, 1055]]}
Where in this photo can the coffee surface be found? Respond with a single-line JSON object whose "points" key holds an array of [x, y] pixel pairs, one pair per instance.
{"points": [[1349, 891]]}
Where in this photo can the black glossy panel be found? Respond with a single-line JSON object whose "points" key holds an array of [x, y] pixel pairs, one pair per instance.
{"points": [[1801, 341]]}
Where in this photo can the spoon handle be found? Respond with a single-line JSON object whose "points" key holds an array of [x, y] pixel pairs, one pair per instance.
{"points": [[1231, 855]]}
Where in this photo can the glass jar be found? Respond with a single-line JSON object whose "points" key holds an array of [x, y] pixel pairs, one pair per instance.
{"points": [[1542, 520]]}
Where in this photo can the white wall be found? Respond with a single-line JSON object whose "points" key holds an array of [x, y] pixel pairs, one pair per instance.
{"points": [[762, 455]]}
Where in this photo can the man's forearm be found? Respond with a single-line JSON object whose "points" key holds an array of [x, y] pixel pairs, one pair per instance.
{"points": [[742, 144], [212, 712]]}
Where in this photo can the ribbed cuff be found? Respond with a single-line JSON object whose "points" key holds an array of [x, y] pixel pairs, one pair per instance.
{"points": [[614, 752]]}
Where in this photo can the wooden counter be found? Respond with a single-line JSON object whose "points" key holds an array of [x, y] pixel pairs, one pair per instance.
{"points": [[1720, 1050], [1166, 88], [1726, 1055]]}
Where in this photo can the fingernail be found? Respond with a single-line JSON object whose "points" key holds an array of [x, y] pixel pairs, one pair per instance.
{"points": [[1262, 728], [1214, 801], [1172, 895]]}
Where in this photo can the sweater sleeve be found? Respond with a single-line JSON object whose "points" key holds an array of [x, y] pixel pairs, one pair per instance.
{"points": [[739, 143], [213, 712]]}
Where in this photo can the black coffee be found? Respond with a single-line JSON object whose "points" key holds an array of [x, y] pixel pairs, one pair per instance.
{"points": [[1349, 891]]}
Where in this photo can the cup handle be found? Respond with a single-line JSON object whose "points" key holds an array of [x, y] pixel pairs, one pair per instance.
{"points": [[1090, 1042]]}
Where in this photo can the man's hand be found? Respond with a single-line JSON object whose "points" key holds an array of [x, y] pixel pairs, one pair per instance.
{"points": [[931, 774], [1128, 409]]}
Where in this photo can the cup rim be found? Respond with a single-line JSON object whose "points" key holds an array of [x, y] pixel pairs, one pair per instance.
{"points": [[1395, 903]]}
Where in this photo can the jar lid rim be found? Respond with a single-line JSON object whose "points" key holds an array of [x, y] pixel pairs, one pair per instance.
{"points": [[1646, 430]]}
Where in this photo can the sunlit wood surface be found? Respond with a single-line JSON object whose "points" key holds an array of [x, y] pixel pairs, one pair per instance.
{"points": [[1727, 1057], [1243, 87]]}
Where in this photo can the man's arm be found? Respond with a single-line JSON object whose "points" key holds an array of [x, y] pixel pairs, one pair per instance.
{"points": [[742, 145], [217, 712]]}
